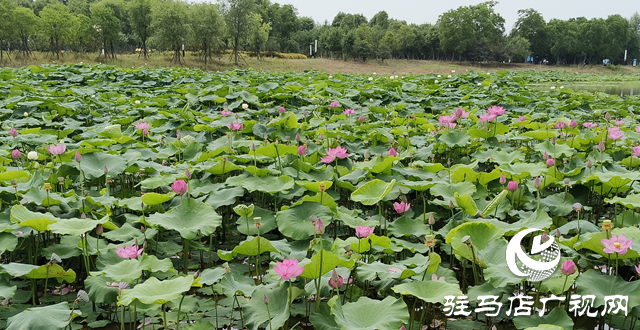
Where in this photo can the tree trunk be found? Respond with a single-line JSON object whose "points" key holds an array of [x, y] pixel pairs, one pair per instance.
{"points": [[235, 49], [144, 47]]}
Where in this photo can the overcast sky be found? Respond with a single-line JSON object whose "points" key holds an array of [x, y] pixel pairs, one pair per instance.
{"points": [[427, 11]]}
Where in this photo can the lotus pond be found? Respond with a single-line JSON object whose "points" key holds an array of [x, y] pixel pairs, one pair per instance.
{"points": [[180, 199]]}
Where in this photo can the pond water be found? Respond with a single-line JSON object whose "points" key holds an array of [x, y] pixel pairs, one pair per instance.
{"points": [[622, 89]]}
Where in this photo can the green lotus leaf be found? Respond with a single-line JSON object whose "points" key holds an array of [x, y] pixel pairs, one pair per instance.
{"points": [[223, 167], [595, 283], [494, 203], [631, 201], [268, 221], [13, 175], [362, 245], [481, 234], [429, 291], [93, 165], [8, 242], [249, 248], [557, 150], [378, 164], [188, 218], [314, 186], [53, 271], [448, 191], [406, 226], [294, 222], [466, 203], [557, 317], [329, 261], [455, 138], [560, 204], [372, 192], [37, 221], [274, 150], [111, 132], [521, 171], [75, 227], [154, 291], [152, 199], [47, 317], [370, 314], [256, 313], [268, 184]]}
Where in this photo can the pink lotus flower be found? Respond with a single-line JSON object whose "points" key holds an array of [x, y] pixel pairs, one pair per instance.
{"points": [[393, 152], [568, 268], [551, 162], [145, 132], [573, 124], [142, 125], [78, 157], [130, 252], [560, 125], [620, 122], [179, 187], [361, 119], [336, 281], [522, 118], [615, 133], [636, 151], [616, 244], [349, 111], [319, 227], [461, 113], [333, 153], [57, 149], [496, 110], [15, 154], [512, 186], [302, 150], [545, 156], [235, 126], [288, 268], [487, 117], [364, 231], [638, 269], [589, 125], [334, 104], [447, 120], [13, 132], [225, 112], [282, 110], [401, 207]]}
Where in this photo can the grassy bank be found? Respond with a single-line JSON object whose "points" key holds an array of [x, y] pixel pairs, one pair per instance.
{"points": [[393, 67]]}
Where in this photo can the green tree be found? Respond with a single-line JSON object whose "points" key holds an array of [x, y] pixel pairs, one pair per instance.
{"points": [[331, 40], [78, 7], [518, 48], [6, 23], [170, 26], [387, 45], [258, 33], [618, 36], [406, 38], [38, 5], [634, 22], [25, 25], [57, 25], [362, 45], [380, 19], [531, 25], [456, 31], [208, 27], [563, 36], [236, 14], [85, 33], [107, 26], [140, 18]]}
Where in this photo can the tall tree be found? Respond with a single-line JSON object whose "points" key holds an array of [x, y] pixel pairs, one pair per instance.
{"points": [[207, 25], [140, 18], [380, 19], [531, 26], [170, 25], [25, 25], [57, 25], [107, 25], [363, 42], [6, 23], [258, 33], [85, 33], [237, 16]]}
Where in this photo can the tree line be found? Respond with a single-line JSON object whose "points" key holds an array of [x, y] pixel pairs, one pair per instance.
{"points": [[469, 33]]}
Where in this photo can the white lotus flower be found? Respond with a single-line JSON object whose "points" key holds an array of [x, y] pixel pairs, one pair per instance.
{"points": [[245, 106], [32, 155]]}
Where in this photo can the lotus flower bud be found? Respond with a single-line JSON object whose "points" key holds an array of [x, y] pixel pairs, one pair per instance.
{"points": [[450, 204], [512, 186], [607, 116], [545, 156], [568, 268], [503, 179], [179, 135], [106, 171], [558, 233], [589, 163], [601, 146], [32, 155], [265, 299], [551, 162], [432, 219], [545, 236], [78, 157], [536, 183], [573, 124], [99, 230], [187, 174]]}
